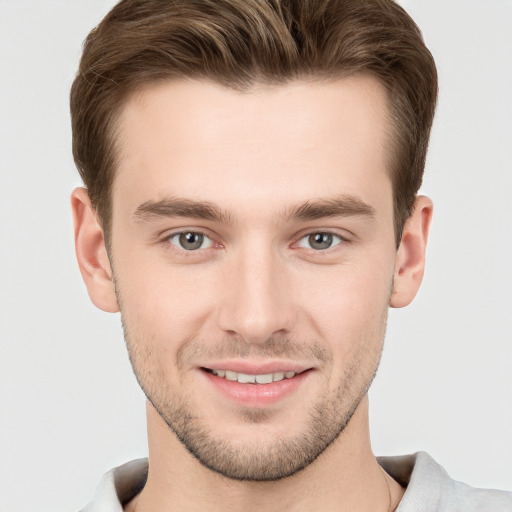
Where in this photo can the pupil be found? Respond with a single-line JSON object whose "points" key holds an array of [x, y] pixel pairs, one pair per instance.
{"points": [[320, 240], [191, 241]]}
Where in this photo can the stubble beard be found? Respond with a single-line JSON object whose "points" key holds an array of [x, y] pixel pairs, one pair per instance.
{"points": [[280, 457], [251, 461]]}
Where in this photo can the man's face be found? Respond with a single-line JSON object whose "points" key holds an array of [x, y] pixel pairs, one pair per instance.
{"points": [[253, 241]]}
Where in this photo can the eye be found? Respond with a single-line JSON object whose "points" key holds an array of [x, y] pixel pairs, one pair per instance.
{"points": [[190, 240], [320, 241]]}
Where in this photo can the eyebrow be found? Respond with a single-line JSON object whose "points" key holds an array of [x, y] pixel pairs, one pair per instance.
{"points": [[181, 207], [340, 206]]}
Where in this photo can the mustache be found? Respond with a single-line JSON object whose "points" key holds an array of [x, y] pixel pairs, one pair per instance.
{"points": [[276, 347]]}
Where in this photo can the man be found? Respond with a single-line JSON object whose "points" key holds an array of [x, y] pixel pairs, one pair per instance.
{"points": [[251, 208]]}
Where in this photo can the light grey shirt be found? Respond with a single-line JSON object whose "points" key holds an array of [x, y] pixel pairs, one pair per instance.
{"points": [[428, 488]]}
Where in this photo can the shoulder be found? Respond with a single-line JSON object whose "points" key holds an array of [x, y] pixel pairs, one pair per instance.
{"points": [[429, 488]]}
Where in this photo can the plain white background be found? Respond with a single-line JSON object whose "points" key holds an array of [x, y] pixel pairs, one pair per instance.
{"points": [[69, 406]]}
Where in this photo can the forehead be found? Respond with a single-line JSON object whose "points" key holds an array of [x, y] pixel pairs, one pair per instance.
{"points": [[271, 145]]}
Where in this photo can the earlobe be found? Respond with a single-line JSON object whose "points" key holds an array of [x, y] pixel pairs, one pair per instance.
{"points": [[410, 258], [91, 252]]}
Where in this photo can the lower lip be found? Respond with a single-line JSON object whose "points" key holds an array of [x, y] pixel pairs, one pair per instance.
{"points": [[256, 395]]}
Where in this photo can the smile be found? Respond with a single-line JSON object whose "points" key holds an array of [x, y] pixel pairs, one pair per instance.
{"points": [[244, 378], [258, 385]]}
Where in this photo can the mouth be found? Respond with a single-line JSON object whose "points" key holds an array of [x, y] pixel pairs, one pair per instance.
{"points": [[256, 387]]}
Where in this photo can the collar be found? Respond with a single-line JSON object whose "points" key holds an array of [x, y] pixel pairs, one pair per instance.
{"points": [[425, 481]]}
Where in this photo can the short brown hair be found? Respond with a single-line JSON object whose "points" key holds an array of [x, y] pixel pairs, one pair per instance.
{"points": [[239, 43]]}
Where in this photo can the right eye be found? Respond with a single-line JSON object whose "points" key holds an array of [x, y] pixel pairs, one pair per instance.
{"points": [[320, 241], [190, 240]]}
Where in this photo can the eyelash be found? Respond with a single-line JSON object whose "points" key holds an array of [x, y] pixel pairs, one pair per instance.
{"points": [[179, 248], [323, 234], [196, 233]]}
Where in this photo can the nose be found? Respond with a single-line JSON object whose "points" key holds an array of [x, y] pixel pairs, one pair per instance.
{"points": [[257, 301]]}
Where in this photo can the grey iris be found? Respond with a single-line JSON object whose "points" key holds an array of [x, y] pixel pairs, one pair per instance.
{"points": [[191, 241], [320, 241]]}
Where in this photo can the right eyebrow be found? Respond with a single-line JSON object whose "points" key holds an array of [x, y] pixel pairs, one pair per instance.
{"points": [[181, 207]]}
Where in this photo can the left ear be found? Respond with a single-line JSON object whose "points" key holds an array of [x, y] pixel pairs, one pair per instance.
{"points": [[410, 257]]}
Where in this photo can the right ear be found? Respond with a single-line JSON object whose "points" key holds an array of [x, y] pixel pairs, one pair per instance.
{"points": [[91, 252]]}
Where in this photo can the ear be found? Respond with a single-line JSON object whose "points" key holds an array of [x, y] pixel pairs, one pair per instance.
{"points": [[91, 252], [410, 257]]}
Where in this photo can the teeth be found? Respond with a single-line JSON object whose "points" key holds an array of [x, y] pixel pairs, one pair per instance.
{"points": [[264, 379], [245, 378], [231, 375]]}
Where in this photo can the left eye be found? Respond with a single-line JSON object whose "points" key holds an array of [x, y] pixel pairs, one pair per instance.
{"points": [[320, 241], [190, 241]]}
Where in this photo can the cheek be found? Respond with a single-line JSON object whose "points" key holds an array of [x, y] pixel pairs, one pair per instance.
{"points": [[347, 302], [163, 301]]}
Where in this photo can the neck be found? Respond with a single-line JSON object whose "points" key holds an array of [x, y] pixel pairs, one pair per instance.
{"points": [[346, 477]]}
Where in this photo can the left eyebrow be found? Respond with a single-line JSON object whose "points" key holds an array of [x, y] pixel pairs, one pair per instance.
{"points": [[341, 206]]}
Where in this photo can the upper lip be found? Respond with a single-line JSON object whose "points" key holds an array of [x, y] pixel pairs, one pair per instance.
{"points": [[256, 368]]}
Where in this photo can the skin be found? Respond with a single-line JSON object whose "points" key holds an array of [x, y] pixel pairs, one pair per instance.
{"points": [[257, 291]]}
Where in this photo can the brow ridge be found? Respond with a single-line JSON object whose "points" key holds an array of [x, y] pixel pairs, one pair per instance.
{"points": [[340, 206], [181, 207]]}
